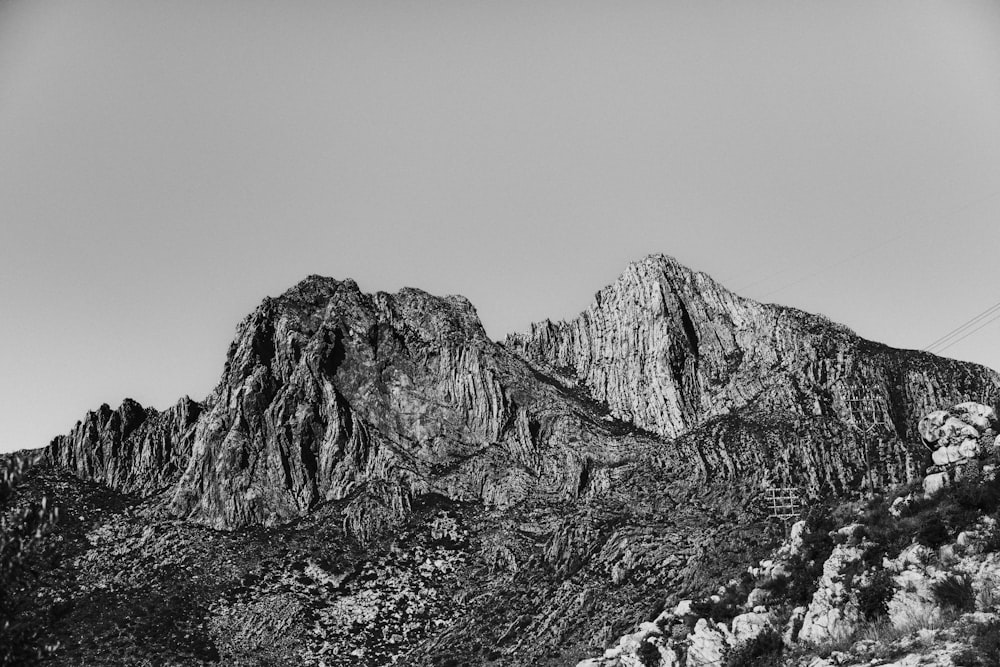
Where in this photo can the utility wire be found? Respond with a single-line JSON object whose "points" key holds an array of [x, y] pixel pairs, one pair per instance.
{"points": [[834, 265], [962, 327], [910, 234], [982, 326]]}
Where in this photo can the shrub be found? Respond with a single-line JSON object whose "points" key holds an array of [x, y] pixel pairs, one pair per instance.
{"points": [[975, 491], [648, 654], [985, 649], [874, 596], [932, 531], [760, 651], [991, 541], [955, 592], [22, 526]]}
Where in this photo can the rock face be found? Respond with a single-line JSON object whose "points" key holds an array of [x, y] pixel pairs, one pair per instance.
{"points": [[331, 394], [132, 449], [669, 350]]}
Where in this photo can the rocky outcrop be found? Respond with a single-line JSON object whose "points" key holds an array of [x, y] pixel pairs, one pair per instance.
{"points": [[330, 394], [670, 350], [132, 449], [956, 436]]}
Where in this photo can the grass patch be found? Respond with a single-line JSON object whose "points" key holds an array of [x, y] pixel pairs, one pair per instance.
{"points": [[955, 592]]}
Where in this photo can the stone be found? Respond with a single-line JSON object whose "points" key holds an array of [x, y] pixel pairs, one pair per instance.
{"points": [[708, 644], [794, 625], [982, 414], [833, 613], [930, 425], [749, 625], [969, 448], [955, 430], [935, 482]]}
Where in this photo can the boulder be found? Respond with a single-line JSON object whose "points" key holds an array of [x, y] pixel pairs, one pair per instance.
{"points": [[930, 425], [955, 430], [834, 613], [708, 644], [748, 626], [981, 416], [935, 482], [969, 448]]}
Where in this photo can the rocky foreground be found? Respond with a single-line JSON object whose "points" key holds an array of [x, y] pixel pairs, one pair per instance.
{"points": [[908, 578], [374, 481]]}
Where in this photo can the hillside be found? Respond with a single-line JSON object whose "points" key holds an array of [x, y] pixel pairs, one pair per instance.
{"points": [[374, 480]]}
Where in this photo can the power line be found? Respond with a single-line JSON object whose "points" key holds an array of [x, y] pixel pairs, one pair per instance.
{"points": [[982, 326], [965, 325], [834, 265], [909, 233]]}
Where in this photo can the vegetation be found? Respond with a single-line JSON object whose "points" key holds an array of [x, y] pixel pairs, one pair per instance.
{"points": [[955, 592], [985, 649], [760, 651], [648, 654], [875, 593], [23, 524]]}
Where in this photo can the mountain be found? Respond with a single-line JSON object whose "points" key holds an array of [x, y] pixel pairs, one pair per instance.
{"points": [[381, 481]]}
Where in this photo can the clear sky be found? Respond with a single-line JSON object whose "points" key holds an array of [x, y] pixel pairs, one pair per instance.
{"points": [[166, 165]]}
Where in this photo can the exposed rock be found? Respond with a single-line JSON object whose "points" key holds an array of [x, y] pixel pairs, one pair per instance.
{"points": [[669, 349], [833, 613], [597, 460], [132, 449], [708, 644]]}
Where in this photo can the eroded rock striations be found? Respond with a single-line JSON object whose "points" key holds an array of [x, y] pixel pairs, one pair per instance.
{"points": [[329, 393], [132, 449], [670, 350]]}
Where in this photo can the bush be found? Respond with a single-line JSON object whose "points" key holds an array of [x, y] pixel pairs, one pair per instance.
{"points": [[873, 598], [932, 531], [991, 541], [955, 592], [22, 526], [648, 654], [985, 650], [760, 651]]}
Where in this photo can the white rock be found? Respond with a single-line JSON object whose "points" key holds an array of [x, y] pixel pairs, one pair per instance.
{"points": [[973, 409], [683, 608], [969, 448], [749, 625], [930, 425], [794, 625], [708, 644], [956, 429], [934, 483], [833, 613]]}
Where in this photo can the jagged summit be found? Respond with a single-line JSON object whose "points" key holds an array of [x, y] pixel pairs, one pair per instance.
{"points": [[327, 389]]}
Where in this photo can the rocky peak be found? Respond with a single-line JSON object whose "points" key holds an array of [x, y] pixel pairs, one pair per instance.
{"points": [[668, 348], [133, 449], [332, 394]]}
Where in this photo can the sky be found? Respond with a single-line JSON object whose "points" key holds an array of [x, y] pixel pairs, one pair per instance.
{"points": [[165, 166]]}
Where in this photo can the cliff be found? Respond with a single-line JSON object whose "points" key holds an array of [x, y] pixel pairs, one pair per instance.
{"points": [[670, 350]]}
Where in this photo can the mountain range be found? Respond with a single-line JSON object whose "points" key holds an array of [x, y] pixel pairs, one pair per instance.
{"points": [[375, 481]]}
